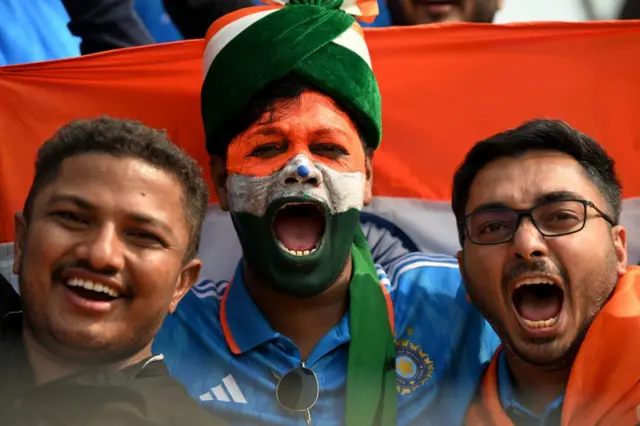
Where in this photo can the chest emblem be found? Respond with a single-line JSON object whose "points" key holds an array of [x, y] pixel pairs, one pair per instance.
{"points": [[413, 367]]}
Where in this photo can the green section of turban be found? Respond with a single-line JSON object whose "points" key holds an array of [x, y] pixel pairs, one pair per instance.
{"points": [[296, 39]]}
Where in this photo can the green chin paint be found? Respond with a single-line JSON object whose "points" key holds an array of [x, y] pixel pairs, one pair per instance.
{"points": [[298, 276]]}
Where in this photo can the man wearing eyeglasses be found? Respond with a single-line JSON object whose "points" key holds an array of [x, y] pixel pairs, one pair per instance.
{"points": [[306, 332], [544, 259]]}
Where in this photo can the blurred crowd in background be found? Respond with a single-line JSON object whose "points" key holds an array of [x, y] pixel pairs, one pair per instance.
{"points": [[38, 30]]}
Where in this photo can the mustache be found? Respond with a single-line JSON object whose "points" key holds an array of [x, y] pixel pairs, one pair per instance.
{"points": [[537, 266], [59, 269]]}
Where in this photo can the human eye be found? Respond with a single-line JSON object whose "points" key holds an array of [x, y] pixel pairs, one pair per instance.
{"points": [[329, 150], [267, 150]]}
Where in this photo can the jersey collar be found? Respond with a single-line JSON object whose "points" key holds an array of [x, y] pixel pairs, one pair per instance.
{"points": [[243, 324]]}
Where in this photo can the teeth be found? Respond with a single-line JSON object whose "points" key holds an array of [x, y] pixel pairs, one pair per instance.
{"points": [[532, 281], [297, 252], [90, 285], [540, 324]]}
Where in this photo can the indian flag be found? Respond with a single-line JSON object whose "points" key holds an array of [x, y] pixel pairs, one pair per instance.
{"points": [[443, 87]]}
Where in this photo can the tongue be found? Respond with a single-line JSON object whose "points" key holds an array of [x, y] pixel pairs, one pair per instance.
{"points": [[298, 233], [536, 308]]}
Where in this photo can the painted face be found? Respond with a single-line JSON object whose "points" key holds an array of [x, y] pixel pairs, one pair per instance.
{"points": [[297, 181], [541, 293], [101, 260]]}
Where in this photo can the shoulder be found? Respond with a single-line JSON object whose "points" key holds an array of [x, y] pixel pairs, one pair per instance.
{"points": [[172, 401], [432, 307], [206, 294], [154, 398], [203, 301], [195, 321], [443, 343], [9, 299], [426, 287], [418, 273]]}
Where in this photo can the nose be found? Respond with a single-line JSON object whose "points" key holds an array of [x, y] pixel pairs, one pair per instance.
{"points": [[102, 249], [528, 243], [301, 170]]}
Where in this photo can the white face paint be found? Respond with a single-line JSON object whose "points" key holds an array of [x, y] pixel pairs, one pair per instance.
{"points": [[339, 191]]}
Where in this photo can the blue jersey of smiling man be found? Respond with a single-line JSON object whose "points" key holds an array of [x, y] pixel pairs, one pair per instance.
{"points": [[310, 329]]}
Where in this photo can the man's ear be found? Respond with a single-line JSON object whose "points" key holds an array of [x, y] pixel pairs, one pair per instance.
{"points": [[219, 177], [619, 235], [186, 280], [19, 241], [368, 186]]}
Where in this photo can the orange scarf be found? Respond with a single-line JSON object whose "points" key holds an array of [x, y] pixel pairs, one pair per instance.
{"points": [[604, 384]]}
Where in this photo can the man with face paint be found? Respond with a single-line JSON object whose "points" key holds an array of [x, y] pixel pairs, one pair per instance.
{"points": [[544, 258], [310, 329], [296, 205]]}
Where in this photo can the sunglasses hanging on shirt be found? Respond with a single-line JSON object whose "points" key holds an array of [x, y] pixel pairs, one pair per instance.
{"points": [[298, 391]]}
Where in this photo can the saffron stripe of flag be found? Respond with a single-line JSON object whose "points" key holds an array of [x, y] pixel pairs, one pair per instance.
{"points": [[443, 87]]}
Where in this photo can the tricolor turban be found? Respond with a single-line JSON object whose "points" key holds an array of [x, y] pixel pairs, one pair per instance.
{"points": [[317, 40]]}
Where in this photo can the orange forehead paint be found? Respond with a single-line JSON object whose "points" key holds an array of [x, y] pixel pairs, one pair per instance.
{"points": [[312, 120]]}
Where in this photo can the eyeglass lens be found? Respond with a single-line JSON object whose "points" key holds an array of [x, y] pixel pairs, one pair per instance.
{"points": [[552, 219]]}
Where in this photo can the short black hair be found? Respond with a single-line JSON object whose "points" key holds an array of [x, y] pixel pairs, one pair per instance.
{"points": [[124, 138], [289, 89], [539, 134]]}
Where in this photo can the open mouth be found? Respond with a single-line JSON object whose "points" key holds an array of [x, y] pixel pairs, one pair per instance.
{"points": [[538, 302], [299, 228], [91, 291]]}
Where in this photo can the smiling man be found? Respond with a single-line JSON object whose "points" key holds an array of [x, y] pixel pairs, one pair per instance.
{"points": [[104, 250], [306, 329], [544, 258]]}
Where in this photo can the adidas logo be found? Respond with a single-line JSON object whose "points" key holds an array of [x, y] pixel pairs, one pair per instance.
{"points": [[218, 393]]}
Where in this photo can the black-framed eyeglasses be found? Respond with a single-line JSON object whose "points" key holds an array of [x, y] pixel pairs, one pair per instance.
{"points": [[552, 219], [298, 391]]}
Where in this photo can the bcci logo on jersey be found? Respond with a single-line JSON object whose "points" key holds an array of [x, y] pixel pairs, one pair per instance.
{"points": [[413, 367]]}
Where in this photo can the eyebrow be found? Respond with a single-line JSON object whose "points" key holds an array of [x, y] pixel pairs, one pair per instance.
{"points": [[73, 199], [268, 130], [148, 220], [87, 205], [558, 196], [549, 197], [329, 131]]}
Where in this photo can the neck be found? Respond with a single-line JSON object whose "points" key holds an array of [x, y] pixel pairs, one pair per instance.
{"points": [[536, 387], [48, 367], [304, 320]]}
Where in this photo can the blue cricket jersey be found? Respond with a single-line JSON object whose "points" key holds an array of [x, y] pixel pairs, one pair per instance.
{"points": [[443, 346]]}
